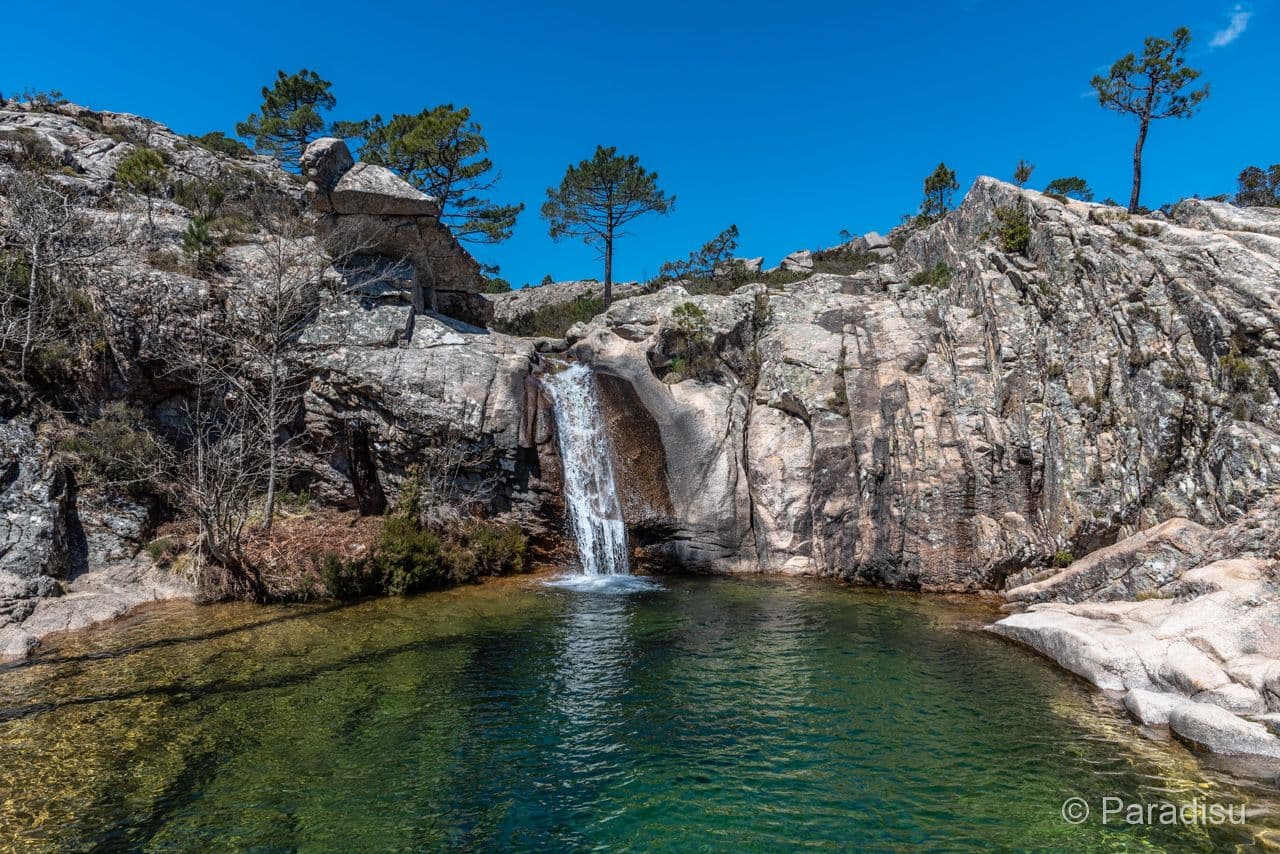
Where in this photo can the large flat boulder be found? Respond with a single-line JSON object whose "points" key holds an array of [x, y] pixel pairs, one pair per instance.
{"points": [[376, 191]]}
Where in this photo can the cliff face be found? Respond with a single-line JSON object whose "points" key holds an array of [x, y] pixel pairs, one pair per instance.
{"points": [[947, 433], [954, 416], [381, 387]]}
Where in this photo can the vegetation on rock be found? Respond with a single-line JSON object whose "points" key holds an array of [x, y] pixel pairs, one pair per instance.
{"points": [[712, 258], [1013, 230], [1022, 172], [939, 276], [691, 345], [1073, 187], [939, 188], [1259, 187], [553, 320], [144, 172]]}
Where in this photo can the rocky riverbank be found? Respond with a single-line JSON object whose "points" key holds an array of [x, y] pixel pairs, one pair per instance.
{"points": [[1179, 622]]}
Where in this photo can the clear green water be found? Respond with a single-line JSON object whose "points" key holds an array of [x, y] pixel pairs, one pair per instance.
{"points": [[711, 714]]}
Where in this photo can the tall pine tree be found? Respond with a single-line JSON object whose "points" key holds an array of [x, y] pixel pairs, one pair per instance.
{"points": [[598, 197]]}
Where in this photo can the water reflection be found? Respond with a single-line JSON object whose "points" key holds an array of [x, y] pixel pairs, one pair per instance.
{"points": [[592, 669], [736, 715]]}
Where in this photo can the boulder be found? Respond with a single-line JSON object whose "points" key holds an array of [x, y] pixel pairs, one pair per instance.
{"points": [[874, 240], [1212, 729], [1137, 564], [324, 162], [397, 223], [371, 190], [1152, 707], [1105, 660], [800, 261]]}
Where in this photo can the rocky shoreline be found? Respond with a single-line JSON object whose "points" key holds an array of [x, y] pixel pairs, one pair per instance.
{"points": [[1179, 622]]}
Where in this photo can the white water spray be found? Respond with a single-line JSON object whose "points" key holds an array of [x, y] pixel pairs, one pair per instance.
{"points": [[590, 493]]}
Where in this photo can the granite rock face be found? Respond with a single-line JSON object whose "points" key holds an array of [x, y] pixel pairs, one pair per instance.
{"points": [[382, 385], [1106, 392], [89, 145], [1195, 647], [1116, 373]]}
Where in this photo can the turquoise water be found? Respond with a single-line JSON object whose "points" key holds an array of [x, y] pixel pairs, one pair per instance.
{"points": [[698, 714]]}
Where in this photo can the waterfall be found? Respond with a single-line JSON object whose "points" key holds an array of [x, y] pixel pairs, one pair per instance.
{"points": [[590, 493]]}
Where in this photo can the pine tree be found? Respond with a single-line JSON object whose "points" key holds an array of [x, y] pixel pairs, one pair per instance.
{"points": [[442, 152], [1072, 187], [1151, 87], [200, 245], [1259, 187], [290, 116], [939, 188], [598, 197], [1022, 172]]}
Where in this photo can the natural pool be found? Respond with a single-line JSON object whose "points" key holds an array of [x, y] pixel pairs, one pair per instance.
{"points": [[756, 714]]}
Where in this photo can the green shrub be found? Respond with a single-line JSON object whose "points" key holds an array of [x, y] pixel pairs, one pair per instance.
{"points": [[738, 276], [223, 144], [843, 262], [1013, 230], [498, 549], [116, 451], [939, 277], [552, 321], [346, 579], [163, 550], [201, 196], [299, 503], [409, 558], [691, 344], [1063, 558], [1237, 370], [29, 150]]}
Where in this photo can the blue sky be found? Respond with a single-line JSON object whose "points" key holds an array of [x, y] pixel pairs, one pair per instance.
{"points": [[792, 121]]}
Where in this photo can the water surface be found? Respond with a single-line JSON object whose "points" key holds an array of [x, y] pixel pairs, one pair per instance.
{"points": [[756, 714]]}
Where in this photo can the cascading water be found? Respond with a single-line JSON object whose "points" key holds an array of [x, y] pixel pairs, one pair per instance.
{"points": [[590, 493]]}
